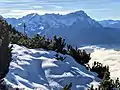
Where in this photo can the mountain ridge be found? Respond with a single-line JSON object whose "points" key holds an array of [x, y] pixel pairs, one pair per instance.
{"points": [[76, 28], [110, 23]]}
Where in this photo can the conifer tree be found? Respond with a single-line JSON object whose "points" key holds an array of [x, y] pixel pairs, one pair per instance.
{"points": [[5, 51]]}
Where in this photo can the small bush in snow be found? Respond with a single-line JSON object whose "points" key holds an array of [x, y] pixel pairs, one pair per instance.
{"points": [[40, 42], [58, 57], [58, 44], [102, 71], [80, 56], [68, 87]]}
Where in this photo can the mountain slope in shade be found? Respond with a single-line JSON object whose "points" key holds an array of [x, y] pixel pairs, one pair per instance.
{"points": [[76, 28], [41, 23], [110, 23], [37, 68]]}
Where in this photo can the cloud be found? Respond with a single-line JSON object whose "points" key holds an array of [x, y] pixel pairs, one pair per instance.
{"points": [[58, 7], [93, 7], [17, 13]]}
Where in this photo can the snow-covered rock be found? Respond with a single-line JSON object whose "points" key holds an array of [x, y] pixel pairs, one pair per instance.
{"points": [[37, 68]]}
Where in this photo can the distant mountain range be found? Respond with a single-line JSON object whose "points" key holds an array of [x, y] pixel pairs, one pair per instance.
{"points": [[110, 23], [77, 28]]}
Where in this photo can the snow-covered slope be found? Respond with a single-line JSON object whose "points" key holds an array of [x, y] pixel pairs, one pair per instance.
{"points": [[110, 23], [37, 68]]}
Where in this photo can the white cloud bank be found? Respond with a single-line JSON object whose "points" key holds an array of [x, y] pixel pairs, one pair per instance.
{"points": [[107, 56]]}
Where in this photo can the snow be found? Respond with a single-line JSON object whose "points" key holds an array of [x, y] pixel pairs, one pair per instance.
{"points": [[38, 69], [42, 28]]}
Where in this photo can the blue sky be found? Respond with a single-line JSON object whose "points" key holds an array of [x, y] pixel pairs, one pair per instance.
{"points": [[97, 9]]}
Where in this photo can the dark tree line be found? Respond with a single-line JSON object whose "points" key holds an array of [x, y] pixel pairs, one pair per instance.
{"points": [[108, 84], [57, 44]]}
